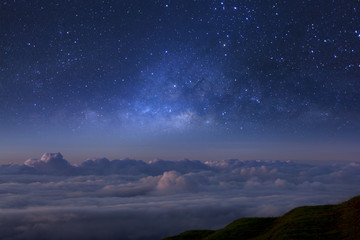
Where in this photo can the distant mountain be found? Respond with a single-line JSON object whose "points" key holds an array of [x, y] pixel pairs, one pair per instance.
{"points": [[330, 222]]}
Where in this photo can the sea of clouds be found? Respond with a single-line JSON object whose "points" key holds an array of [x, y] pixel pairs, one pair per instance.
{"points": [[49, 198]]}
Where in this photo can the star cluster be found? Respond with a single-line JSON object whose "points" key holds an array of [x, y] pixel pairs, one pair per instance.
{"points": [[246, 68]]}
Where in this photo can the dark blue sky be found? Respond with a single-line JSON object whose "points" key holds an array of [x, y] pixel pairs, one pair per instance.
{"points": [[173, 79]]}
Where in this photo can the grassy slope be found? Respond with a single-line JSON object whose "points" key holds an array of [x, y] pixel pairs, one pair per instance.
{"points": [[330, 222]]}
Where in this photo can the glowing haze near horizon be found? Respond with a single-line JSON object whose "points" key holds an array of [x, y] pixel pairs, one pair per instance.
{"points": [[180, 79], [223, 82]]}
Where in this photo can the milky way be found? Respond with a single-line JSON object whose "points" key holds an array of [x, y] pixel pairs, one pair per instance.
{"points": [[245, 69], [257, 101]]}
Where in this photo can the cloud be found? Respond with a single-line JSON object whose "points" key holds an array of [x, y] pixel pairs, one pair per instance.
{"points": [[173, 182], [104, 166], [51, 163], [49, 198], [54, 163]]}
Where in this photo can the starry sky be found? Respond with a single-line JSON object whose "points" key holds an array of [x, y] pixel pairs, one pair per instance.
{"points": [[174, 79]]}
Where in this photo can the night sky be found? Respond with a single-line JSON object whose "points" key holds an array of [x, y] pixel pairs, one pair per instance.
{"points": [[199, 79]]}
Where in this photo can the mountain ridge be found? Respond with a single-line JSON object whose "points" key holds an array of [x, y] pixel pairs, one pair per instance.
{"points": [[330, 222]]}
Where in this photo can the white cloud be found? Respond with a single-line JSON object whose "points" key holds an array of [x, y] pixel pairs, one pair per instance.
{"points": [[50, 162], [173, 182], [132, 199]]}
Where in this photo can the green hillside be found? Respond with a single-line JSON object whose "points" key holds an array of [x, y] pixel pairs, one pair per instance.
{"points": [[330, 222]]}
